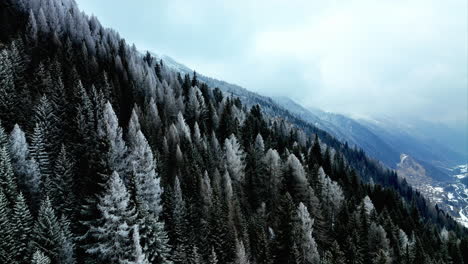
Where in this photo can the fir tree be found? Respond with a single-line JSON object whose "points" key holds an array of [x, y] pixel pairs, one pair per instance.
{"points": [[7, 242], [25, 167], [7, 178], [305, 242], [61, 184], [22, 229], [40, 258], [112, 232], [46, 235]]}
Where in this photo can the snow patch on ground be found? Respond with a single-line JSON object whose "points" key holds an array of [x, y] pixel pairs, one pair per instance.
{"points": [[463, 219]]}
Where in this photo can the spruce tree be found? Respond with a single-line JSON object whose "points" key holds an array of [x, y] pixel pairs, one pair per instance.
{"points": [[7, 242], [7, 178], [22, 229], [46, 235], [25, 167], [112, 231], [40, 258], [304, 239], [61, 184]]}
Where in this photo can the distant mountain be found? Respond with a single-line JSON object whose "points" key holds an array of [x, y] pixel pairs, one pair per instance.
{"points": [[384, 140]]}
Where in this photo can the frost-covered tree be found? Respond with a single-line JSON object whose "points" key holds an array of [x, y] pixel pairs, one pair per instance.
{"points": [[7, 177], [182, 127], [31, 29], [137, 256], [179, 217], [272, 162], [305, 241], [133, 128], [154, 239], [147, 182], [24, 165], [213, 258], [147, 191], [234, 157], [3, 136], [330, 193], [66, 254], [112, 230], [379, 244], [46, 235], [110, 131], [60, 187], [22, 228], [46, 119], [40, 258], [39, 152], [241, 255], [295, 179], [6, 238], [7, 86]]}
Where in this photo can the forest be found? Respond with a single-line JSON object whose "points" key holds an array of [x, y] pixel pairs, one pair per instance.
{"points": [[109, 156]]}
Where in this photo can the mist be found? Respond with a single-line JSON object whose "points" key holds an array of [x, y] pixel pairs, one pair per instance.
{"points": [[403, 59]]}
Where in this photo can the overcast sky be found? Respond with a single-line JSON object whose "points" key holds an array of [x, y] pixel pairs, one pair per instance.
{"points": [[360, 57]]}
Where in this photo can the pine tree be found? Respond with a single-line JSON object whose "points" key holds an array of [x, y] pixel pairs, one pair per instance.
{"points": [[7, 242], [22, 229], [112, 232]]}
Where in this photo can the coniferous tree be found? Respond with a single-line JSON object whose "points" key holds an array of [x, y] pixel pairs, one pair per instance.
{"points": [[283, 247], [112, 230], [7, 242], [39, 258], [111, 132], [305, 241], [138, 255], [7, 177], [241, 255], [61, 184], [213, 258], [22, 229], [7, 87], [179, 216], [46, 235], [25, 167]]}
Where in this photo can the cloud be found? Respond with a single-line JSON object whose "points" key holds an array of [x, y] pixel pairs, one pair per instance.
{"points": [[400, 57]]}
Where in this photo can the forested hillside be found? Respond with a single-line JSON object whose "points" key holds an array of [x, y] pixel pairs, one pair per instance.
{"points": [[108, 156]]}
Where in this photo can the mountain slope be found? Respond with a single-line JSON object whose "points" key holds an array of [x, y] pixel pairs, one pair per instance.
{"points": [[113, 157]]}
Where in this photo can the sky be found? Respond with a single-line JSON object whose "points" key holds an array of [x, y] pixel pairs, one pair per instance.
{"points": [[365, 58]]}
